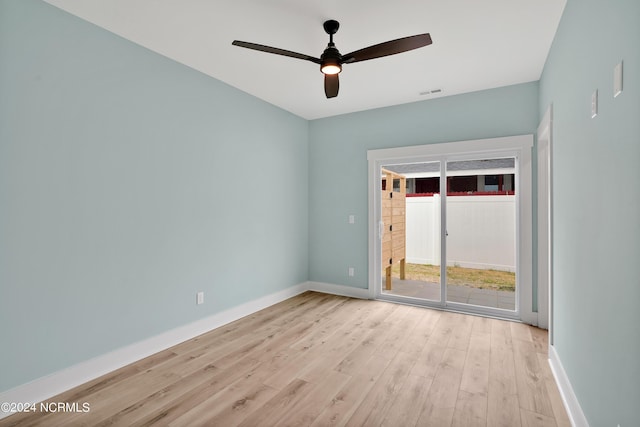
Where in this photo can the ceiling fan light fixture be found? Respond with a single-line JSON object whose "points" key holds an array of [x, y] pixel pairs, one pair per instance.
{"points": [[330, 67]]}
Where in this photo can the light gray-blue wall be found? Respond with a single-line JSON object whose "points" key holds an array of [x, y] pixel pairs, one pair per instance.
{"points": [[338, 163], [129, 182], [596, 184]]}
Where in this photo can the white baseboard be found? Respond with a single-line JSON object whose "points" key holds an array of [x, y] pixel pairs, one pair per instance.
{"points": [[571, 404], [347, 291], [58, 382]]}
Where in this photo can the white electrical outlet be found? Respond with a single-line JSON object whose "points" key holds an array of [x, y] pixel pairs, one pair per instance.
{"points": [[352, 219], [200, 298], [352, 271]]}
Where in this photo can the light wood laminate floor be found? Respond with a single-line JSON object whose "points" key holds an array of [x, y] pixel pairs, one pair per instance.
{"points": [[325, 360]]}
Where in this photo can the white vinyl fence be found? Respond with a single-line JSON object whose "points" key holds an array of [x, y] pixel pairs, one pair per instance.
{"points": [[481, 231]]}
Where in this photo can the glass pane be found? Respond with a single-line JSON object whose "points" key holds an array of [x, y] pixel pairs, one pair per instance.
{"points": [[481, 233], [411, 224]]}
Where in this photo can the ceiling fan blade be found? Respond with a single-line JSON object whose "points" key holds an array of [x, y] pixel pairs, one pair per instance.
{"points": [[275, 50], [388, 48], [331, 85]]}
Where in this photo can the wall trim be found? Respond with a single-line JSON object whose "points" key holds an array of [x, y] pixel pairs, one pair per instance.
{"points": [[545, 223], [569, 398], [347, 291], [53, 384]]}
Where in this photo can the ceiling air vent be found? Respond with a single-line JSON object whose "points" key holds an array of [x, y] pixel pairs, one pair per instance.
{"points": [[431, 92]]}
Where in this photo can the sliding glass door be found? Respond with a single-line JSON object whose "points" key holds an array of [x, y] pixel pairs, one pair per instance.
{"points": [[481, 233], [448, 230]]}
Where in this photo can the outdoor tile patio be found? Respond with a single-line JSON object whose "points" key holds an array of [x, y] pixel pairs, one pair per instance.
{"points": [[455, 293]]}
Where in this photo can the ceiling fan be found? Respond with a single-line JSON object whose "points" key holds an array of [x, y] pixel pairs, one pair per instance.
{"points": [[331, 60]]}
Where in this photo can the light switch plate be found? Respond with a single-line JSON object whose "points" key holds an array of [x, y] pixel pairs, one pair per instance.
{"points": [[594, 104], [617, 80]]}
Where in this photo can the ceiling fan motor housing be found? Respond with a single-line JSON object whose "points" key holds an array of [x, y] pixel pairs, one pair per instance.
{"points": [[331, 60]]}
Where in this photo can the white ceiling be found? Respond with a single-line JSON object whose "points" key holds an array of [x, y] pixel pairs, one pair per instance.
{"points": [[476, 44]]}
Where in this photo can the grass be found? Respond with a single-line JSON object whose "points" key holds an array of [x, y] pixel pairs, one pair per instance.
{"points": [[473, 277]]}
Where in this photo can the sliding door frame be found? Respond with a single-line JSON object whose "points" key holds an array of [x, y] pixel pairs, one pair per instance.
{"points": [[518, 147]]}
